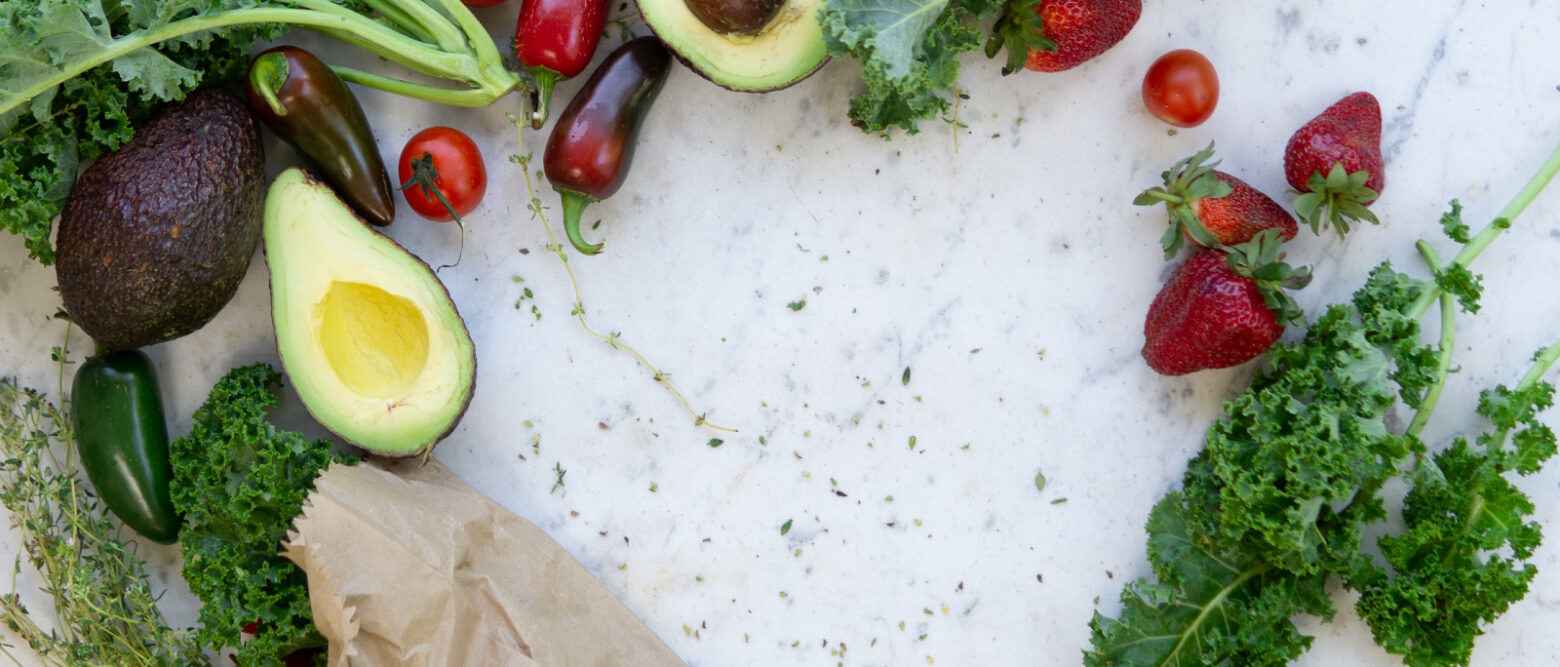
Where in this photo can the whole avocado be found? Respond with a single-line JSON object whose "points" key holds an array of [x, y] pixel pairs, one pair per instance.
{"points": [[157, 235]]}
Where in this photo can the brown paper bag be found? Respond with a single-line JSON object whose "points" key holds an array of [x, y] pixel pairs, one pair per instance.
{"points": [[410, 566]]}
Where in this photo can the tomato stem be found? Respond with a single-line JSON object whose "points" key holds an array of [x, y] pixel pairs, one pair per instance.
{"points": [[426, 177], [574, 203]]}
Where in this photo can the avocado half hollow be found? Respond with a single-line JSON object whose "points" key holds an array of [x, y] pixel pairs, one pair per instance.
{"points": [[367, 333], [786, 50]]}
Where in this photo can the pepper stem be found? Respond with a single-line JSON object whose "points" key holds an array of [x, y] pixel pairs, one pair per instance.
{"points": [[574, 204], [267, 75], [545, 78]]}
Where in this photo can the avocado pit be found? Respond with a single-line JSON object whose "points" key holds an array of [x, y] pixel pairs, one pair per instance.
{"points": [[735, 17]]}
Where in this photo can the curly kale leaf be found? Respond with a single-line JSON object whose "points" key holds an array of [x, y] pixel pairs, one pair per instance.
{"points": [[239, 483], [1278, 499], [1279, 476], [1459, 562], [908, 51], [50, 127], [1206, 608]]}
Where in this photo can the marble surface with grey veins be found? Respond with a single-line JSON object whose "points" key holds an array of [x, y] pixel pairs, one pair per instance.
{"points": [[788, 273]]}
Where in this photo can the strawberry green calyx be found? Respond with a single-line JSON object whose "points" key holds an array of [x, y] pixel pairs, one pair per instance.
{"points": [[1020, 29], [1336, 199], [1187, 181], [1260, 260]]}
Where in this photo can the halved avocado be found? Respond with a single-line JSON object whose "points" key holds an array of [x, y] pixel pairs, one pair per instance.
{"points": [[785, 50], [367, 333]]}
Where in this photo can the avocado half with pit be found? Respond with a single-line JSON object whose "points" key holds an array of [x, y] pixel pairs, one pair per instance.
{"points": [[368, 335], [744, 45]]}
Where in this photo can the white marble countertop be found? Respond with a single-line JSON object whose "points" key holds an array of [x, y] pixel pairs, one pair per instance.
{"points": [[1003, 263]]}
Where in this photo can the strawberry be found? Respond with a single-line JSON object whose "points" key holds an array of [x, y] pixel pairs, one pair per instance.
{"points": [[1222, 307], [1079, 30], [1211, 208], [1335, 162]]}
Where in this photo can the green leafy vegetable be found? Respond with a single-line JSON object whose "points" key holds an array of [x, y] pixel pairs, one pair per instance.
{"points": [[239, 482], [105, 609], [1277, 502], [1206, 608], [909, 50], [1459, 563], [76, 75]]}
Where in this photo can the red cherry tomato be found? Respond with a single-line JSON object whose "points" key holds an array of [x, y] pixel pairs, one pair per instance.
{"points": [[461, 174], [1181, 88]]}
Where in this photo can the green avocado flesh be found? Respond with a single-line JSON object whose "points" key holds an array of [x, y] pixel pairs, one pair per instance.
{"points": [[367, 333], [780, 54]]}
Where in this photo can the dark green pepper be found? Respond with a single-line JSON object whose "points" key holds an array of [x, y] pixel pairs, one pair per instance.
{"points": [[305, 103], [592, 144], [122, 437]]}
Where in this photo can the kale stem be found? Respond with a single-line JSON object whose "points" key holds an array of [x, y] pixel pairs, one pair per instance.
{"points": [[400, 20], [1541, 363], [418, 17], [1477, 244], [434, 62], [1477, 501], [1443, 349], [469, 97], [477, 38], [317, 15]]}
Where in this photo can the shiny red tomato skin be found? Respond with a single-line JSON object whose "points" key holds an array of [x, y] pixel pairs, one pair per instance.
{"points": [[462, 173], [1181, 88]]}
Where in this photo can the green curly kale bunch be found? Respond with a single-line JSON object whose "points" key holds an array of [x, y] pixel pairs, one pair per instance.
{"points": [[1277, 502], [239, 483]]}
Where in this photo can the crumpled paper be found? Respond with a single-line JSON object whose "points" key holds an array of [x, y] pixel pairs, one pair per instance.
{"points": [[408, 565]]}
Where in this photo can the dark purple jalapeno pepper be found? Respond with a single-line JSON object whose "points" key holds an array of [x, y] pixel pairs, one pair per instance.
{"points": [[592, 144], [311, 108]]}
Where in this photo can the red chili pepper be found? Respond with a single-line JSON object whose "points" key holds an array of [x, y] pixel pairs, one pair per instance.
{"points": [[591, 147], [555, 39]]}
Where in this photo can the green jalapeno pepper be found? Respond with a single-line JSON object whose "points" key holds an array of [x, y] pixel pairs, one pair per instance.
{"points": [[122, 438]]}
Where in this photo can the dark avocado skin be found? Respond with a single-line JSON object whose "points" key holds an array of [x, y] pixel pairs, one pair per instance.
{"points": [[156, 236]]}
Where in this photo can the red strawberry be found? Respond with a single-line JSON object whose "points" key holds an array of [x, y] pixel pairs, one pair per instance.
{"points": [[1221, 308], [1080, 30], [1335, 160], [1211, 208]]}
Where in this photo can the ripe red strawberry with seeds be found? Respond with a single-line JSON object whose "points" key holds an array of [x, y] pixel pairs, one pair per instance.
{"points": [[1211, 208], [1079, 30], [1335, 162], [1222, 307]]}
